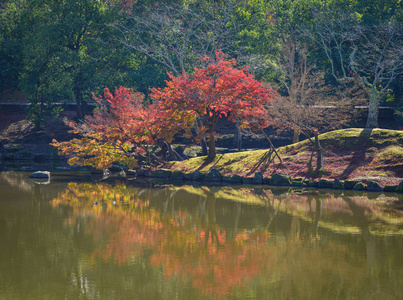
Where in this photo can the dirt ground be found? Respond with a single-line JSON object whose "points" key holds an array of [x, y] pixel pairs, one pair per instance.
{"points": [[15, 129]]}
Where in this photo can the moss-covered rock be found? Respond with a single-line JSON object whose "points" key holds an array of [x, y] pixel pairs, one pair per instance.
{"points": [[325, 184], [248, 180], [258, 178], [188, 176], [162, 173], [225, 178], [311, 183], [177, 175], [298, 183], [236, 179], [399, 188], [338, 185], [359, 186], [213, 176], [390, 188], [349, 184], [374, 186], [197, 176], [280, 179]]}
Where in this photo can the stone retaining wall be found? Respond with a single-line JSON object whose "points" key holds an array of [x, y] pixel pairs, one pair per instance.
{"points": [[277, 179]]}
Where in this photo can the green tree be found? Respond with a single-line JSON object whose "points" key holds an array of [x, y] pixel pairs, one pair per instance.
{"points": [[65, 52], [14, 21]]}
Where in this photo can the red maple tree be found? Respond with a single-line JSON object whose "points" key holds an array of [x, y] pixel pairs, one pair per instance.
{"points": [[217, 90]]}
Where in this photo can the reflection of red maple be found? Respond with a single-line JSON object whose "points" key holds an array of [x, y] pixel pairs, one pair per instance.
{"points": [[196, 250], [214, 264]]}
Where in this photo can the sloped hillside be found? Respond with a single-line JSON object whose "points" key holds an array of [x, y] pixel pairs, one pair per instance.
{"points": [[348, 154]]}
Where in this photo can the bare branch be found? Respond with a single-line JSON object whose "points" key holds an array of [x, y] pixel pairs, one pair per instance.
{"points": [[179, 36], [371, 56]]}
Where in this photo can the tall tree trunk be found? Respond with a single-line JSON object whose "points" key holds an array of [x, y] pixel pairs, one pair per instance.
{"points": [[238, 136], [212, 122], [295, 137], [320, 166], [373, 109], [203, 143], [38, 113], [78, 96], [211, 146]]}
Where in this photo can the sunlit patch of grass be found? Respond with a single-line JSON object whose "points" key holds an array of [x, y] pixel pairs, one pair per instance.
{"points": [[391, 154]]}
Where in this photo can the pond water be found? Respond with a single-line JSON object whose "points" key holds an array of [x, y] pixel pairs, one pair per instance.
{"points": [[74, 238]]}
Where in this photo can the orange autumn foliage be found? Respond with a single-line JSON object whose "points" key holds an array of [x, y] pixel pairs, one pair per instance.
{"points": [[118, 131]]}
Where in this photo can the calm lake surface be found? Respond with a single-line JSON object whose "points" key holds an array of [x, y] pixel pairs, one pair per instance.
{"points": [[79, 239]]}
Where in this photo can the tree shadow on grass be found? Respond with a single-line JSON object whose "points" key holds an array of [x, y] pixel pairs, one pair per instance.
{"points": [[209, 161], [264, 162], [358, 154]]}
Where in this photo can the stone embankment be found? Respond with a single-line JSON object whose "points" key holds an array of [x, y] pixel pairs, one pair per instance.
{"points": [[277, 179]]}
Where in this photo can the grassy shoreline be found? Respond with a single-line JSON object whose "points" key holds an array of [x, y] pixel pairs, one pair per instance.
{"points": [[349, 154]]}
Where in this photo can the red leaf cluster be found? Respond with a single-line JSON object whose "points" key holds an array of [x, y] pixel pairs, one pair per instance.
{"points": [[218, 90]]}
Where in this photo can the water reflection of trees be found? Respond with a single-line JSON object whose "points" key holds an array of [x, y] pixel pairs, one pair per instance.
{"points": [[266, 242], [17, 180]]}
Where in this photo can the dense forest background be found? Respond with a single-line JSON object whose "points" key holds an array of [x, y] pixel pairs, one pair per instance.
{"points": [[66, 51]]}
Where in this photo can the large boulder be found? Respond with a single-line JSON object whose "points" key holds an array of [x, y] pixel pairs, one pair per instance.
{"points": [[177, 175], [188, 176], [325, 184], [197, 176], [235, 179], [40, 175], [258, 178], [280, 179], [359, 186], [338, 185], [311, 183], [213, 176], [349, 184], [374, 186], [298, 182], [248, 180], [390, 188], [162, 173]]}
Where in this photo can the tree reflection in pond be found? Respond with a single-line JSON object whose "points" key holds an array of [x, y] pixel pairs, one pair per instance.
{"points": [[237, 242]]}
